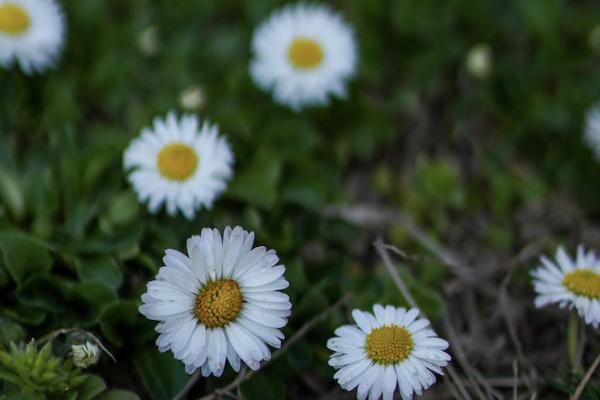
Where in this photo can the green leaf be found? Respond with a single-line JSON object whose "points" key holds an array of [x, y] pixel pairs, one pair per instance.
{"points": [[257, 183], [11, 193], [92, 386], [263, 387], [118, 394], [44, 292], [123, 316], [100, 269], [162, 375], [24, 256], [27, 315], [123, 208], [89, 299], [10, 331]]}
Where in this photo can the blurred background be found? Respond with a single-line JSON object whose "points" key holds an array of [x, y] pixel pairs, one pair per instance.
{"points": [[460, 144]]}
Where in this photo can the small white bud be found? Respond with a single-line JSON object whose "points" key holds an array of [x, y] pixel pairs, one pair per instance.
{"points": [[192, 98], [479, 61], [85, 355], [149, 41]]}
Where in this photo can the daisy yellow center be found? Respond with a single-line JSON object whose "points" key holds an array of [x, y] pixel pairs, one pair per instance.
{"points": [[389, 344], [14, 19], [219, 303], [305, 53], [177, 161], [583, 282]]}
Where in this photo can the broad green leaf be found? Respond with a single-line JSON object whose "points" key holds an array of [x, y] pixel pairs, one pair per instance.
{"points": [[24, 256], [162, 375], [258, 182], [89, 299], [118, 318], [100, 269], [10, 331], [90, 389], [11, 193]]}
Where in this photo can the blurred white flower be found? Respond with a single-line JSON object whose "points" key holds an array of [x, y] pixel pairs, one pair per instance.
{"points": [[303, 54], [31, 33], [479, 61], [192, 98], [591, 133], [149, 41], [85, 355], [180, 163], [570, 283], [389, 349], [221, 302]]}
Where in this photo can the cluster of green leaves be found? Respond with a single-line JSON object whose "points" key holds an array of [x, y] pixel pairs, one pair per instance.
{"points": [[37, 374], [77, 248]]}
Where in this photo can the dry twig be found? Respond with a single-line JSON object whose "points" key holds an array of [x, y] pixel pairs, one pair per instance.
{"points": [[393, 271], [586, 378]]}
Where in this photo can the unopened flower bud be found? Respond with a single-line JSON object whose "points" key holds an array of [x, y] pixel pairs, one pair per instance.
{"points": [[479, 61], [85, 355], [192, 98]]}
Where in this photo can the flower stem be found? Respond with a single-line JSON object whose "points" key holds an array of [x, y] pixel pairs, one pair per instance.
{"points": [[572, 341]]}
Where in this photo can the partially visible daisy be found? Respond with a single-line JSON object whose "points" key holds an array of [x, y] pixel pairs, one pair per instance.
{"points": [[388, 350], [219, 303], [303, 54], [180, 163], [592, 129], [570, 283], [31, 33]]}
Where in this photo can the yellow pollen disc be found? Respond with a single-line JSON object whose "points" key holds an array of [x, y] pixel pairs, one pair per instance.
{"points": [[583, 282], [13, 19], [177, 161], [219, 303], [389, 344], [305, 53]]}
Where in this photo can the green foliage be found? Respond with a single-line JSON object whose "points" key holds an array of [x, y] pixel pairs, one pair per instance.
{"points": [[40, 374], [417, 133]]}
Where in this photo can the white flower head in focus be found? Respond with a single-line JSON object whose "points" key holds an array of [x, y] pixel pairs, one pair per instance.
{"points": [[221, 302], [387, 350], [180, 163], [31, 33], [303, 54]]}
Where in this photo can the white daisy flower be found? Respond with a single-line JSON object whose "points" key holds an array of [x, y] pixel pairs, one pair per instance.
{"points": [[31, 33], [570, 283], [303, 53], [391, 349], [180, 163], [220, 302], [592, 129]]}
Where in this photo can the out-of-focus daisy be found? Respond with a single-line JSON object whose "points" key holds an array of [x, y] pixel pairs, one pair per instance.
{"points": [[570, 283], [592, 129], [220, 302], [31, 33], [388, 350], [180, 163], [303, 54]]}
